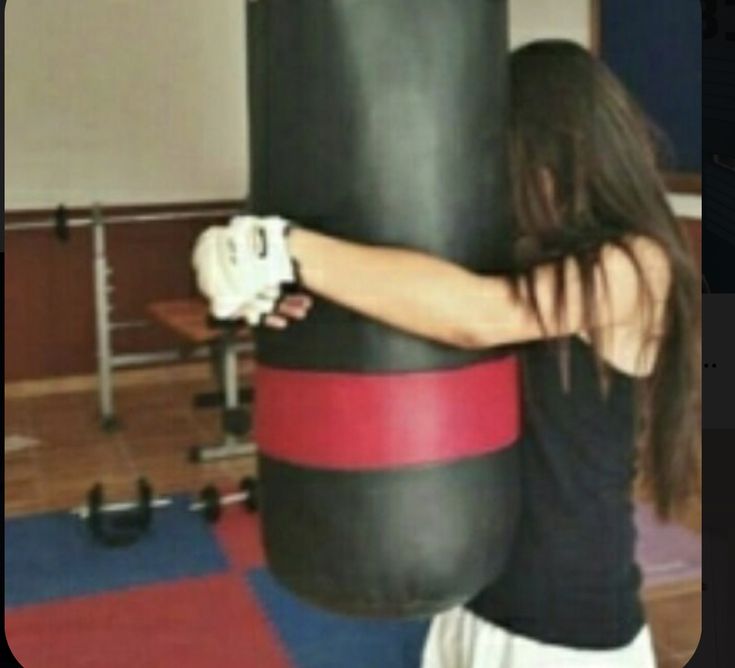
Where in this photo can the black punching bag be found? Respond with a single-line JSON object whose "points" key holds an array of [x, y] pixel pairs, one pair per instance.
{"points": [[388, 474]]}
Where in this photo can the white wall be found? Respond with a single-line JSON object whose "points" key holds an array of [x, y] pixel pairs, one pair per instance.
{"points": [[124, 101], [533, 19], [144, 100]]}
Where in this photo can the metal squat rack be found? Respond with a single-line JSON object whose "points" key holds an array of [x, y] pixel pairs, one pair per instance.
{"points": [[107, 360]]}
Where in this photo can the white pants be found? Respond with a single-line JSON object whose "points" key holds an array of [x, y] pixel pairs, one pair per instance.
{"points": [[459, 639]]}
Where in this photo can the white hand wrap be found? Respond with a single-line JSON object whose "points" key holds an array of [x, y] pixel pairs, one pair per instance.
{"points": [[240, 268], [268, 237]]}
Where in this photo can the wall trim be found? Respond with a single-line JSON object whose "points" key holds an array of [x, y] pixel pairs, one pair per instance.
{"points": [[16, 216]]}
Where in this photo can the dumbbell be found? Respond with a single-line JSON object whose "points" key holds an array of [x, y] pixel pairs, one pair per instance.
{"points": [[211, 502], [84, 512], [122, 523]]}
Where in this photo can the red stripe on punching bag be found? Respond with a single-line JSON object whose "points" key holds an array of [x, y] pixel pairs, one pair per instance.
{"points": [[372, 421]]}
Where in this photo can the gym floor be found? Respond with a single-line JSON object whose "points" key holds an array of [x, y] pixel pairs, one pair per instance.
{"points": [[158, 426], [63, 452]]}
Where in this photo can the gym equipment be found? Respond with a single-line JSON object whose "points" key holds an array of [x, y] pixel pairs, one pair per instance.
{"points": [[211, 502], [188, 318], [235, 415], [120, 524], [107, 360], [389, 484], [99, 506]]}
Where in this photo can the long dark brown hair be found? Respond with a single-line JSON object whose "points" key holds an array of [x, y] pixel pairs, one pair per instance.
{"points": [[571, 117]]}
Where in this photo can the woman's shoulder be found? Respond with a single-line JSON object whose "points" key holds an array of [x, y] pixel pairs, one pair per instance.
{"points": [[639, 267], [641, 257]]}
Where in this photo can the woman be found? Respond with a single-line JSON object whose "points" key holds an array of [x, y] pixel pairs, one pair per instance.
{"points": [[603, 304]]}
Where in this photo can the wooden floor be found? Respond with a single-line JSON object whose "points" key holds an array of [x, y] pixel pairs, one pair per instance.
{"points": [[159, 425]]}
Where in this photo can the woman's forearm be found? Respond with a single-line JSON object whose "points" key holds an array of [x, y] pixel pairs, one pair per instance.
{"points": [[417, 293]]}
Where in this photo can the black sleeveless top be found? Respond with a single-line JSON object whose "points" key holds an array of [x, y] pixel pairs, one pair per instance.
{"points": [[571, 578]]}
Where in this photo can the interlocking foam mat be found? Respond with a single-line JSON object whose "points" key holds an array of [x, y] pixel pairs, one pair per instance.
{"points": [[190, 595]]}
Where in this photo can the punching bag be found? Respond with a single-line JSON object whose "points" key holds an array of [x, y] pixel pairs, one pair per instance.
{"points": [[389, 476]]}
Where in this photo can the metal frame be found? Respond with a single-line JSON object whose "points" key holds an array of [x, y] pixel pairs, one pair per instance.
{"points": [[107, 360], [235, 441]]}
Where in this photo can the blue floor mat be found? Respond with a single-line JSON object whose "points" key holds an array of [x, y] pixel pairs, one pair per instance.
{"points": [[53, 556], [318, 639]]}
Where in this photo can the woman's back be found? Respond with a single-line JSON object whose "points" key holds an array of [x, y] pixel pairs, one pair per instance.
{"points": [[571, 578]]}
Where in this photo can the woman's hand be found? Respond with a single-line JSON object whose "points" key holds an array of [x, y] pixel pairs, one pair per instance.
{"points": [[292, 307], [240, 268]]}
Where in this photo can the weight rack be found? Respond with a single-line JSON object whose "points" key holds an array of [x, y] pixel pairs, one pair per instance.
{"points": [[107, 360]]}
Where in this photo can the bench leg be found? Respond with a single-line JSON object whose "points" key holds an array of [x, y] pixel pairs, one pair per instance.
{"points": [[235, 442]]}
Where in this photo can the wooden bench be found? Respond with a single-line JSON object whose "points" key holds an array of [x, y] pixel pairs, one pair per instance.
{"points": [[189, 319]]}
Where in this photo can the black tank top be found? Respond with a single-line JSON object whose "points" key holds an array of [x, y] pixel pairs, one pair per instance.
{"points": [[571, 578]]}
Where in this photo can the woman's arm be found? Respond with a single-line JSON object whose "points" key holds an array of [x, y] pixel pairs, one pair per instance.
{"points": [[430, 297]]}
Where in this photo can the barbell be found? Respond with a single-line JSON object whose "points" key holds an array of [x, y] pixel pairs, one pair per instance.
{"points": [[122, 523], [211, 502]]}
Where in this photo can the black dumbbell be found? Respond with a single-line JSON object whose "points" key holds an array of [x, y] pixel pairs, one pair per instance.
{"points": [[123, 523], [211, 502]]}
